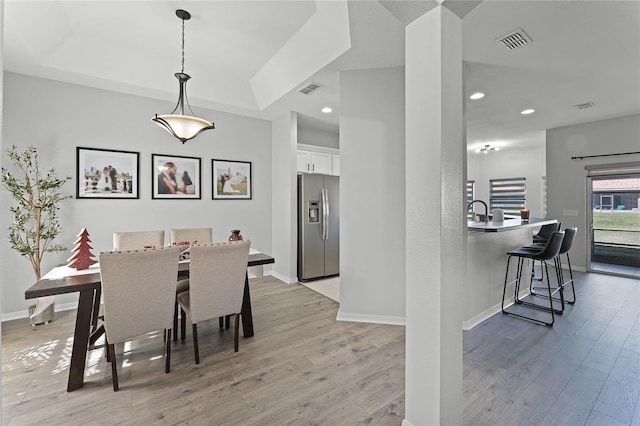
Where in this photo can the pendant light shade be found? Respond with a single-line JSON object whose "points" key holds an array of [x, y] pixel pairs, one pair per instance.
{"points": [[177, 123]]}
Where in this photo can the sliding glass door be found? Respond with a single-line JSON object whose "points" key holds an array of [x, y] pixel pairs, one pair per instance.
{"points": [[614, 220]]}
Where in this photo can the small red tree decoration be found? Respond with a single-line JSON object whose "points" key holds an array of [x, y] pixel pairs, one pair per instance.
{"points": [[82, 257]]}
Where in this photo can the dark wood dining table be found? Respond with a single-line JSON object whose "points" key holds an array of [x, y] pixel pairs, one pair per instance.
{"points": [[89, 287]]}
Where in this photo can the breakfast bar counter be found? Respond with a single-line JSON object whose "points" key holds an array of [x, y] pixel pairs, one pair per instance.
{"points": [[487, 247], [508, 224]]}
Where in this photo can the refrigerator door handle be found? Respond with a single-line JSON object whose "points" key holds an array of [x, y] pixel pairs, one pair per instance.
{"points": [[325, 214]]}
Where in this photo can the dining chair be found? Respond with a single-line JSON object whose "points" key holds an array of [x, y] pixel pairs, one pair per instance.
{"points": [[217, 277], [139, 290], [137, 240], [189, 236], [199, 235]]}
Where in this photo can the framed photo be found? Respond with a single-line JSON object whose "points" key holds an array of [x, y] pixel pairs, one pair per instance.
{"points": [[106, 173], [231, 180], [174, 177]]}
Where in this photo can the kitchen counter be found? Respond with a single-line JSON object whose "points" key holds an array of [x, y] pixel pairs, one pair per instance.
{"points": [[507, 224]]}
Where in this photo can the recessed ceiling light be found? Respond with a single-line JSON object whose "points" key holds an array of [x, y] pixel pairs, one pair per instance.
{"points": [[477, 95], [327, 110], [528, 111]]}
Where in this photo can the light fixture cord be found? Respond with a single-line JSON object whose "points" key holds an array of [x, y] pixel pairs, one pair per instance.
{"points": [[183, 46]]}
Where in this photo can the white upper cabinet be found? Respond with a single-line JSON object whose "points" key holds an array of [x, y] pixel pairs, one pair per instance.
{"points": [[335, 164], [314, 162]]}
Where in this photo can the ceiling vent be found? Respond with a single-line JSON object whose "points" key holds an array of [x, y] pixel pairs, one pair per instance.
{"points": [[585, 105], [515, 39], [310, 88]]}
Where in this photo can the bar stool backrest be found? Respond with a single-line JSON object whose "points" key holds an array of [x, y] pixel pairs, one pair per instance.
{"points": [[546, 230], [567, 241], [552, 248]]}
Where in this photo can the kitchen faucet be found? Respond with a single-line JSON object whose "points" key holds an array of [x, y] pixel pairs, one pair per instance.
{"points": [[486, 210]]}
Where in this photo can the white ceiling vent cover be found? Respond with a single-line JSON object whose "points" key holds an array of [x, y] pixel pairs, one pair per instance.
{"points": [[585, 105], [310, 88], [515, 39]]}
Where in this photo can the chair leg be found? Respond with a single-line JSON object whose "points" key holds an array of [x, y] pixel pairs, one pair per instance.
{"points": [[175, 321], [573, 289], [227, 320], [236, 333], [504, 289], [553, 319], [522, 302], [183, 324], [114, 370], [559, 289], [221, 322], [518, 281], [167, 367], [107, 354], [196, 351]]}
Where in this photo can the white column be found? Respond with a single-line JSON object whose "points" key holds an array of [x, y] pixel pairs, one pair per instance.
{"points": [[436, 234], [284, 133]]}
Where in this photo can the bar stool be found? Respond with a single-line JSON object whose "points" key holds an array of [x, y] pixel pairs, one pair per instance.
{"points": [[548, 252], [567, 243], [543, 235]]}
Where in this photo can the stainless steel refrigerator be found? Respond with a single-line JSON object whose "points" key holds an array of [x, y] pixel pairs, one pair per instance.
{"points": [[318, 226]]}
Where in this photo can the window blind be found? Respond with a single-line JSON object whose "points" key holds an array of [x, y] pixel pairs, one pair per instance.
{"points": [[471, 194], [508, 194]]}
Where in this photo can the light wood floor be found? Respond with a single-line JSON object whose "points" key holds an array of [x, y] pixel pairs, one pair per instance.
{"points": [[301, 368], [304, 368]]}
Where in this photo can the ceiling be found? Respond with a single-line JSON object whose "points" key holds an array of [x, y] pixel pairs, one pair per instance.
{"points": [[251, 57]]}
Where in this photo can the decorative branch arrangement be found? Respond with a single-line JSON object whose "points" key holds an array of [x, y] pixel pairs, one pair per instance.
{"points": [[35, 221]]}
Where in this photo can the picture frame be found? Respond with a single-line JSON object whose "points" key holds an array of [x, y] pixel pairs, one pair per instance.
{"points": [[175, 177], [107, 173], [231, 180]]}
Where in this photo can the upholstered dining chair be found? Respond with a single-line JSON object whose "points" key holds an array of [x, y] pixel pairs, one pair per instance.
{"points": [[199, 235], [129, 279], [137, 240], [216, 288], [190, 236]]}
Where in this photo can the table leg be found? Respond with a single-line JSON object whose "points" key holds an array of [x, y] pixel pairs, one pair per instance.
{"points": [[96, 309], [247, 316], [81, 339]]}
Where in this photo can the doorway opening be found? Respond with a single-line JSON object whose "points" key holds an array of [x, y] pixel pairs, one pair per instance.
{"points": [[614, 221]]}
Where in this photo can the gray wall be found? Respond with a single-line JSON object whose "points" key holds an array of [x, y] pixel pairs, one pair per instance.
{"points": [[317, 137], [566, 178], [372, 195], [528, 162], [57, 117]]}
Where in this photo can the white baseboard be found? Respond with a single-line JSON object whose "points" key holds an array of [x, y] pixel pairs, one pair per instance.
{"points": [[482, 316], [284, 278], [374, 319], [59, 307], [485, 315]]}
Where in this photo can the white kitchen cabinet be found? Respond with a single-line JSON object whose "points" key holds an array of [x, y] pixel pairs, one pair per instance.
{"points": [[314, 162], [335, 165]]}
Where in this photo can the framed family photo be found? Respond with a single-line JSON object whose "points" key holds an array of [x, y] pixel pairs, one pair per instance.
{"points": [[231, 180], [106, 173], [175, 177]]}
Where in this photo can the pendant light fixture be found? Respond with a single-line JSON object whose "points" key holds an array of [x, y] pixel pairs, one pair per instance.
{"points": [[180, 125]]}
